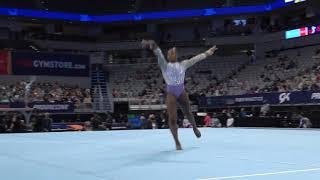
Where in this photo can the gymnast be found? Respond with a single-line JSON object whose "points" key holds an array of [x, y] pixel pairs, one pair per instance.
{"points": [[174, 73]]}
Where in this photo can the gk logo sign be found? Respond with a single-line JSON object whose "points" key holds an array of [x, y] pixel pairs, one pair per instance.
{"points": [[284, 97], [315, 96]]}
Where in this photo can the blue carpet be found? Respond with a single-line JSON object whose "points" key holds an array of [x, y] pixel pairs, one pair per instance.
{"points": [[253, 154]]}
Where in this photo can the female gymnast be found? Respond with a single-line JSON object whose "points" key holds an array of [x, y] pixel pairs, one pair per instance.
{"points": [[174, 73]]}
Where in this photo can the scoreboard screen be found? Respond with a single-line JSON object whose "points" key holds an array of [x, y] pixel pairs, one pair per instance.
{"points": [[293, 1], [301, 32]]}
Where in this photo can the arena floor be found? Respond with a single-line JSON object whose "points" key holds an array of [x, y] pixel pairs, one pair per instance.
{"points": [[253, 154]]}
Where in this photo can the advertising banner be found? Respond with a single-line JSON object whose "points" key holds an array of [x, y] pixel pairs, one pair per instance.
{"points": [[298, 97], [54, 107], [51, 64]]}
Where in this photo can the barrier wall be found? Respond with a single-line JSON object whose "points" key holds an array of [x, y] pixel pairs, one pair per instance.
{"points": [[56, 107], [290, 98]]}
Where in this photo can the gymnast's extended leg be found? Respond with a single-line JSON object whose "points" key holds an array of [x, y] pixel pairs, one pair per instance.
{"points": [[186, 109]]}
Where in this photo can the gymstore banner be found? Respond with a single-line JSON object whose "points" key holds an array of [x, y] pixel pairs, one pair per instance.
{"points": [[290, 98], [51, 64]]}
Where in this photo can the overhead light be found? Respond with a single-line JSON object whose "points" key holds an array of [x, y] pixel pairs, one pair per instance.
{"points": [[34, 48]]}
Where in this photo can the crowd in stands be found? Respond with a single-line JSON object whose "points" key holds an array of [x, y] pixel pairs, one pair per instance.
{"points": [[148, 80], [44, 92], [283, 72], [306, 80], [145, 81], [280, 71]]}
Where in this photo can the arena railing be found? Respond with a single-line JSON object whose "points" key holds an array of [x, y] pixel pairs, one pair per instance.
{"points": [[146, 104]]}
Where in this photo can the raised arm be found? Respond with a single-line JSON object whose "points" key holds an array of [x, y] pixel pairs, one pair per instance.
{"points": [[150, 44], [190, 62]]}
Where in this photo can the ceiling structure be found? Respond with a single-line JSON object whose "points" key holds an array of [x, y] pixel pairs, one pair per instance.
{"points": [[98, 7], [131, 10]]}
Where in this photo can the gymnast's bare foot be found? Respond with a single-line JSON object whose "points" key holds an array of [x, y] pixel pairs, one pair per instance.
{"points": [[178, 146], [197, 132]]}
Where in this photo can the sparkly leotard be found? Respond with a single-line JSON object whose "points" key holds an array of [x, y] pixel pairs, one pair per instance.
{"points": [[174, 73]]}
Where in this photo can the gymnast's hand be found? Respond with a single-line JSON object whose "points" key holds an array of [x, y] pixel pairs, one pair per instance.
{"points": [[149, 44], [211, 51]]}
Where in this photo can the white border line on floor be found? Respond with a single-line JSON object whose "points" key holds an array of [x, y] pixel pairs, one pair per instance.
{"points": [[262, 174]]}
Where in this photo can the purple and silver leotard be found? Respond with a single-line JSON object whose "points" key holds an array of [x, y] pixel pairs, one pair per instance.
{"points": [[174, 73]]}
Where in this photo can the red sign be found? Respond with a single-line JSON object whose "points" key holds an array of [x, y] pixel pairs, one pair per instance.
{"points": [[304, 31], [4, 62], [318, 29]]}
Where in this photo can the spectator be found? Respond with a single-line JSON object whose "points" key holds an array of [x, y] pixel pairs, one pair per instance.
{"points": [[304, 122], [207, 120], [96, 122], [243, 113], [36, 123], [230, 120], [186, 123], [152, 120], [223, 118], [44, 91], [16, 123], [3, 124], [164, 117], [47, 122], [143, 121], [215, 121], [264, 110]]}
